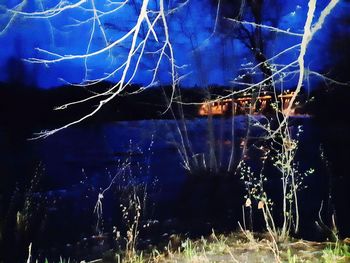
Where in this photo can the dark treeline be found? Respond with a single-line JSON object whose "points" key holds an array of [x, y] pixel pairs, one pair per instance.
{"points": [[29, 107], [25, 109]]}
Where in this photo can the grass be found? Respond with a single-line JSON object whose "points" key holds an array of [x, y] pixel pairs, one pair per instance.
{"points": [[61, 261], [292, 258], [336, 252], [135, 258], [236, 247], [189, 250]]}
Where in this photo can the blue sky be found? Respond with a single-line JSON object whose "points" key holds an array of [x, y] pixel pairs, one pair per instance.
{"points": [[207, 58]]}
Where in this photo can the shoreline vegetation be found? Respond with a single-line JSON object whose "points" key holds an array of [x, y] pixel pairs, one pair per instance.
{"points": [[243, 247]]}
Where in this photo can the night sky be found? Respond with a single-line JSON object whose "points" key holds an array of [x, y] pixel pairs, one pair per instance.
{"points": [[206, 52]]}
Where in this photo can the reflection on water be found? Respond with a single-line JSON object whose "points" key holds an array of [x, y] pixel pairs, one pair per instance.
{"points": [[78, 164]]}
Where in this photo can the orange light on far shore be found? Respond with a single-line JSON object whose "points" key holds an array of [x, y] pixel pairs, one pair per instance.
{"points": [[222, 107]]}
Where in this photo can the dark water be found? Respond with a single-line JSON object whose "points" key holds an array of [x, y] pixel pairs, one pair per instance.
{"points": [[74, 166]]}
